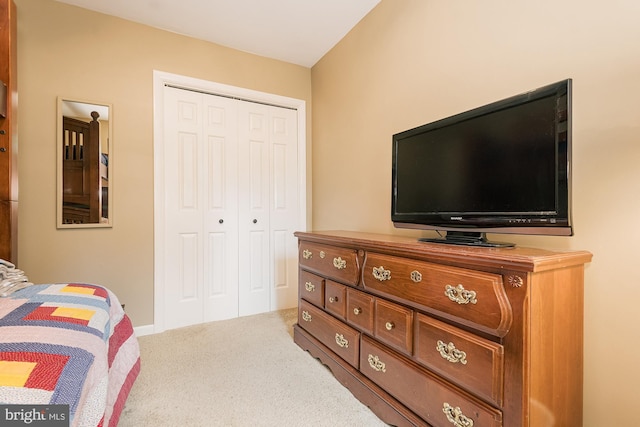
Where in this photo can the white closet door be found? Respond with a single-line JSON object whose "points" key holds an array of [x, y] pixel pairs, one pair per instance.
{"points": [[268, 208], [221, 214], [183, 254], [230, 207], [254, 206], [284, 207], [200, 261]]}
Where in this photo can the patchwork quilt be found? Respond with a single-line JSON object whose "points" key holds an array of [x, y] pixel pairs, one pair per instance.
{"points": [[68, 344]]}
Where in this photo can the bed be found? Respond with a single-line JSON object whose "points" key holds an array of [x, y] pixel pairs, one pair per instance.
{"points": [[67, 344]]}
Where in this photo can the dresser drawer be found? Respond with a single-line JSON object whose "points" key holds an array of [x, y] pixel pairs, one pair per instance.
{"points": [[340, 264], [473, 362], [475, 298], [340, 338], [360, 310], [335, 298], [393, 325], [311, 287], [436, 401]]}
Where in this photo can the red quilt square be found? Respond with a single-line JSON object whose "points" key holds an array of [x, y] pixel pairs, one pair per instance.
{"points": [[47, 371], [45, 313]]}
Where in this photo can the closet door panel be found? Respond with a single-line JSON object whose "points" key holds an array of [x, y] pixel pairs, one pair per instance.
{"points": [[183, 209], [284, 205], [220, 220], [189, 267], [255, 275], [281, 280]]}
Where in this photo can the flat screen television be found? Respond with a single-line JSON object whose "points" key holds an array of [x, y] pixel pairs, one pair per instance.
{"points": [[501, 168]]}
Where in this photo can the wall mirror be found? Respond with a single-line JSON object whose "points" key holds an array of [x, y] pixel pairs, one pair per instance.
{"points": [[84, 155]]}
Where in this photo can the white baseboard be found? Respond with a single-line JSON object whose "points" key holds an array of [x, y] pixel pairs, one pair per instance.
{"points": [[144, 330]]}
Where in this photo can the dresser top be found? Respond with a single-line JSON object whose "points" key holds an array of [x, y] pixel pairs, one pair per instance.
{"points": [[514, 258]]}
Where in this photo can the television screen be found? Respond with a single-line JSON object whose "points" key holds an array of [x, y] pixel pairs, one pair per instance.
{"points": [[503, 167]]}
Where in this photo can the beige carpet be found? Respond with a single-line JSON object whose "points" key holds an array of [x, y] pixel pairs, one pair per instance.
{"points": [[239, 372]]}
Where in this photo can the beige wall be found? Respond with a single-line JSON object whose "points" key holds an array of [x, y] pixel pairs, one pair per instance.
{"points": [[78, 54], [413, 61]]}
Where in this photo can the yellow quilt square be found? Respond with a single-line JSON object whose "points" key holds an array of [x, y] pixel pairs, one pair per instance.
{"points": [[74, 313], [15, 374], [78, 290]]}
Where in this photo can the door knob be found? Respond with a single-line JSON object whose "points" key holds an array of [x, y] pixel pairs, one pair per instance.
{"points": [[255, 221], [221, 220]]}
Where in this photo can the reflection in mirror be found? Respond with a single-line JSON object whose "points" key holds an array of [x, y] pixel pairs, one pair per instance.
{"points": [[84, 174]]}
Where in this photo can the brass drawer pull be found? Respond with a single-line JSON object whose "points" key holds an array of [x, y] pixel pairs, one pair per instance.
{"points": [[339, 263], [460, 295], [456, 417], [342, 341], [306, 316], [381, 274], [309, 286], [333, 299], [451, 353], [389, 326], [307, 254], [357, 311], [376, 364], [416, 276]]}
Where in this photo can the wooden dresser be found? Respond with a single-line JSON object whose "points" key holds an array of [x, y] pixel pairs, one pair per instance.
{"points": [[432, 334]]}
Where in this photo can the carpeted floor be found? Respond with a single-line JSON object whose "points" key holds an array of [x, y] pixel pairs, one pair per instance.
{"points": [[239, 372]]}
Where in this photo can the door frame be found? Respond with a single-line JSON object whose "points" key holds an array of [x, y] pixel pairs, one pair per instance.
{"points": [[160, 80]]}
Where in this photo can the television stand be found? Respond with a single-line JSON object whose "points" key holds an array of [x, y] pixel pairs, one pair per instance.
{"points": [[467, 238]]}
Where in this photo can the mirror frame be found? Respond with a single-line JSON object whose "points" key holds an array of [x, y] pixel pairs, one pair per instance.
{"points": [[108, 222]]}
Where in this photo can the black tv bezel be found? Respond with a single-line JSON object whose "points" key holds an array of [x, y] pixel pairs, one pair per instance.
{"points": [[472, 229]]}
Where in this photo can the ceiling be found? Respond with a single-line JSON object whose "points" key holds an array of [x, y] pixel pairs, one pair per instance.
{"points": [[294, 31], [81, 110]]}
